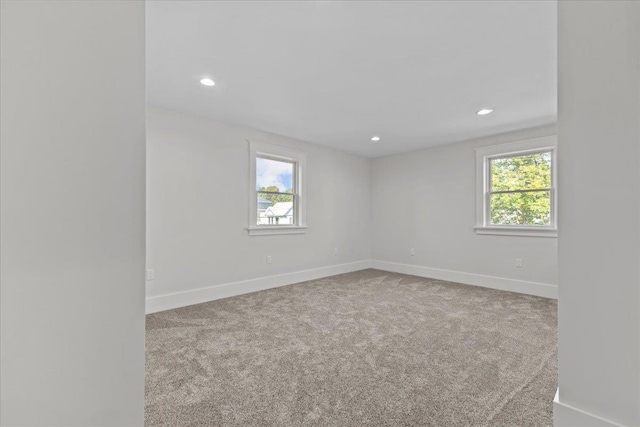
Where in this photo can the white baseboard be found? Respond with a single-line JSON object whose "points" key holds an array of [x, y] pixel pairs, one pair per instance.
{"points": [[512, 285], [568, 416], [197, 296]]}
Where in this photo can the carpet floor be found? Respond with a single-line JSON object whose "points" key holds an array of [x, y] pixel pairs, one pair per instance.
{"points": [[369, 348]]}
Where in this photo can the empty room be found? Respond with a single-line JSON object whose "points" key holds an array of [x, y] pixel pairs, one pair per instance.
{"points": [[320, 213]]}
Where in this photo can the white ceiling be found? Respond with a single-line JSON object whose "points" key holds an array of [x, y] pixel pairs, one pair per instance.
{"points": [[336, 73]]}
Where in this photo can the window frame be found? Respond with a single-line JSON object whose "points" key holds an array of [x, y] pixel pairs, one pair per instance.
{"points": [[484, 155], [278, 153]]}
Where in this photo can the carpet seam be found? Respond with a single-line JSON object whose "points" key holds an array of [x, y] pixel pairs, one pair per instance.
{"points": [[513, 394]]}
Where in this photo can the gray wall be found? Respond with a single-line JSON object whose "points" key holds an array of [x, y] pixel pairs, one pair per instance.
{"points": [[599, 240], [198, 207], [72, 214], [426, 200]]}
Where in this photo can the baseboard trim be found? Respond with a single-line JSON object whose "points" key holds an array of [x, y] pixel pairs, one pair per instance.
{"points": [[211, 293], [226, 290], [568, 416], [504, 284]]}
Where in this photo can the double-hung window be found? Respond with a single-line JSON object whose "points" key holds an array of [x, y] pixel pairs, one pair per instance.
{"points": [[276, 194], [517, 188]]}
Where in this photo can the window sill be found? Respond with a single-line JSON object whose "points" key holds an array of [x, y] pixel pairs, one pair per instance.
{"points": [[518, 231], [268, 230]]}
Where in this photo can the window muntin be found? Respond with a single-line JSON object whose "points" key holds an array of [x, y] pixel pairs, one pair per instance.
{"points": [[520, 189], [275, 188]]}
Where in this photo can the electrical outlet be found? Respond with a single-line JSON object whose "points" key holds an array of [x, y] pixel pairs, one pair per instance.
{"points": [[519, 262], [269, 259], [412, 252], [151, 274], [335, 251]]}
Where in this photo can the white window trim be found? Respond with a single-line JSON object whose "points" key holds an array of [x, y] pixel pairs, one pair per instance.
{"points": [[300, 163], [483, 155]]}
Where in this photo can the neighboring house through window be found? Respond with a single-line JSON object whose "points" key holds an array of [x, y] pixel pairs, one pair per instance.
{"points": [[277, 179], [516, 186]]}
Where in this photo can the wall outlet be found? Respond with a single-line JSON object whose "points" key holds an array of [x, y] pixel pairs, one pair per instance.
{"points": [[151, 274], [412, 252], [519, 262], [269, 259], [335, 251]]}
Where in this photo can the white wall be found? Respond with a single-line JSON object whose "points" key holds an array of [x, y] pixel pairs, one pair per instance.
{"points": [[426, 200], [198, 201], [599, 241], [72, 213]]}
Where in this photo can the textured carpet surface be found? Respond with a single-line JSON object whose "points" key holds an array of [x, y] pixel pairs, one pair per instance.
{"points": [[369, 348]]}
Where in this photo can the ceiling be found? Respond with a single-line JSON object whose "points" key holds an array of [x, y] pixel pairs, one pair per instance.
{"points": [[337, 73]]}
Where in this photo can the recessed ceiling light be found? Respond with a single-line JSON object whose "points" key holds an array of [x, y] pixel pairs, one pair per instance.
{"points": [[375, 138], [208, 82], [484, 111]]}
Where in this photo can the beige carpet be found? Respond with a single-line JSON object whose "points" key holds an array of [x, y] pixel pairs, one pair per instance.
{"points": [[369, 348]]}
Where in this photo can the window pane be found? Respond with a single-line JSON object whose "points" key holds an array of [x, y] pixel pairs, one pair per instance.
{"points": [[276, 209], [274, 175], [527, 208], [528, 172]]}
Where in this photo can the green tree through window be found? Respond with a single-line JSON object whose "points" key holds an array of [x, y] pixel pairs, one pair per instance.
{"points": [[520, 192]]}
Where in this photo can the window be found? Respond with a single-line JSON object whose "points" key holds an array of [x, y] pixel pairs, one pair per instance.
{"points": [[276, 194], [517, 188]]}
